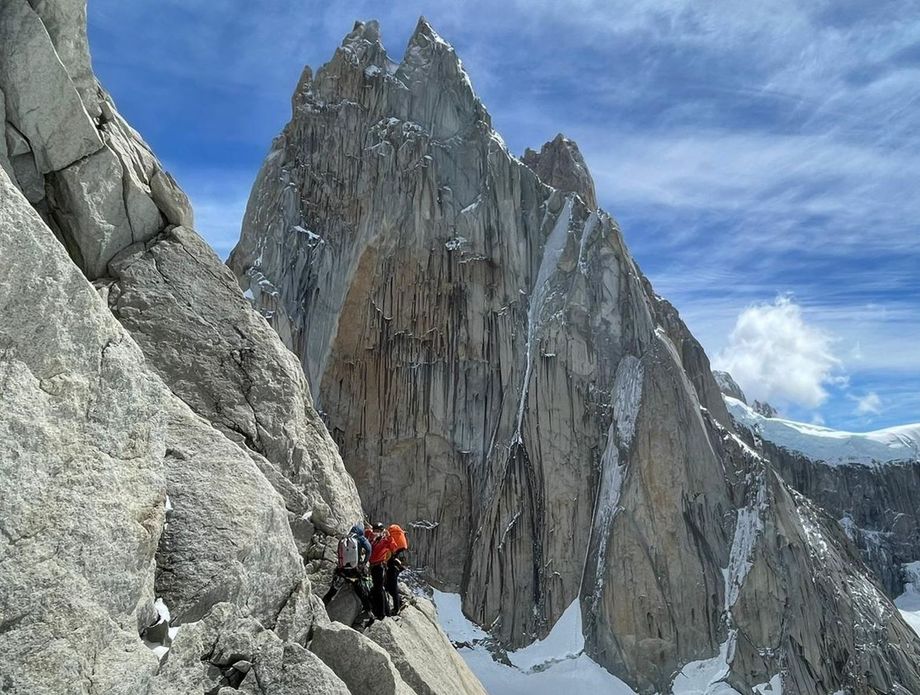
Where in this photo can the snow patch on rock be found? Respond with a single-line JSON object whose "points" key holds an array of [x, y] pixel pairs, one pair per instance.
{"points": [[707, 676], [627, 396], [552, 250], [748, 527]]}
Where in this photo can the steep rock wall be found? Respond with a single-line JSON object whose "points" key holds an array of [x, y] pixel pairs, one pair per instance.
{"points": [[875, 505]]}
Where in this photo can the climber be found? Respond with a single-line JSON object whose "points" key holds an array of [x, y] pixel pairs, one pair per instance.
{"points": [[396, 564], [354, 551], [382, 549]]}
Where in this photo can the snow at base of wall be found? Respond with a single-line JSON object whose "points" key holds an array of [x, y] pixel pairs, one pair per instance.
{"points": [[557, 663], [553, 665], [832, 447]]}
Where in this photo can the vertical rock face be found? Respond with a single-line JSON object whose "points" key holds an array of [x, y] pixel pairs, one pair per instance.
{"points": [[502, 379], [169, 454], [81, 448], [188, 314], [92, 443]]}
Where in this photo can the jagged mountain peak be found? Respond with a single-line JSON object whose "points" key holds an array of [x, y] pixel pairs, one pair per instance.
{"points": [[560, 164], [369, 30], [428, 87], [424, 30]]}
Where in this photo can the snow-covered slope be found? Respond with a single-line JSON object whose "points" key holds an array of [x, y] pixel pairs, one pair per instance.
{"points": [[831, 446], [546, 667], [558, 663]]}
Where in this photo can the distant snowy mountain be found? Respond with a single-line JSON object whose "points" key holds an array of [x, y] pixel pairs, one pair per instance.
{"points": [[831, 446]]}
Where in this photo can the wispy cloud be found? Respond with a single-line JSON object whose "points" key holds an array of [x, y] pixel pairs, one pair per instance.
{"points": [[869, 404]]}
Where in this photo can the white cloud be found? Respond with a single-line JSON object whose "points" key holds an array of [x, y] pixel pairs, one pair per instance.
{"points": [[776, 356], [870, 404]]}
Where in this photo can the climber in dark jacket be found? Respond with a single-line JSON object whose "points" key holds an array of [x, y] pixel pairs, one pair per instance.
{"points": [[355, 575]]}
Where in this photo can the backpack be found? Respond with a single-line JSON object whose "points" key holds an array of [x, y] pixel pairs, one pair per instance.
{"points": [[348, 552], [398, 536]]}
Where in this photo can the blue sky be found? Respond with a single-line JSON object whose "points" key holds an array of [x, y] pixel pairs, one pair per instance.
{"points": [[763, 159]]}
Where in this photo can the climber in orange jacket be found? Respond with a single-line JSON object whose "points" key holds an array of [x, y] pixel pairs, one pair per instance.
{"points": [[382, 549], [396, 564]]}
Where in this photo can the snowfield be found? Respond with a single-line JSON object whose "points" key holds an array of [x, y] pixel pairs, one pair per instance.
{"points": [[832, 447], [558, 663], [553, 665]]}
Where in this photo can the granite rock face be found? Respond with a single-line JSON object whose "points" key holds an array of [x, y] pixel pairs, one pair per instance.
{"points": [[187, 312], [94, 445], [876, 506], [73, 156], [160, 472], [503, 381], [363, 664], [228, 650], [83, 486]]}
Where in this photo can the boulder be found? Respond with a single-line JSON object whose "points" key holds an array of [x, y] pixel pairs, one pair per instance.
{"points": [[363, 665], [422, 653]]}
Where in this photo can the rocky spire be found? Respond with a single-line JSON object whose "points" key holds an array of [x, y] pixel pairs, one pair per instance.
{"points": [[559, 163]]}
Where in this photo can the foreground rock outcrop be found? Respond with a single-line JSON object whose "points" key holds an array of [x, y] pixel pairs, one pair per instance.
{"points": [[501, 378], [171, 454], [417, 645]]}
